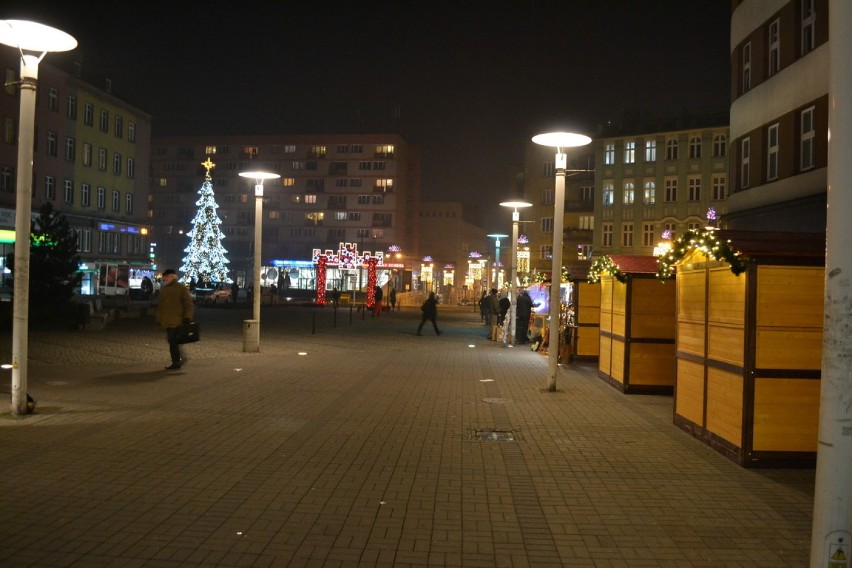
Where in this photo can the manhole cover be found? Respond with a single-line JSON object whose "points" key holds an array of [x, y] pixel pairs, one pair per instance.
{"points": [[496, 400], [494, 435]]}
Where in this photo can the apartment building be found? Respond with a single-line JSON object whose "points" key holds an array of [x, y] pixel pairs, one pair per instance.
{"points": [[658, 176], [779, 115], [90, 162], [536, 226], [362, 189]]}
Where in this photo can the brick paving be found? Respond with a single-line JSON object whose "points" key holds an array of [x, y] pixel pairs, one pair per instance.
{"points": [[369, 449]]}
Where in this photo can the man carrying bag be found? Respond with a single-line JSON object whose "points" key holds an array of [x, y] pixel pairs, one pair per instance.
{"points": [[174, 309]]}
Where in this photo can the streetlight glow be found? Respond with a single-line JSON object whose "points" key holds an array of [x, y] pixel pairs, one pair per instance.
{"points": [[251, 328], [560, 141], [24, 36]]}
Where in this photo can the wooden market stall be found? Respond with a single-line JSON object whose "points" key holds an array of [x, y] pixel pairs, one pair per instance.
{"points": [[749, 346], [637, 326], [587, 319]]}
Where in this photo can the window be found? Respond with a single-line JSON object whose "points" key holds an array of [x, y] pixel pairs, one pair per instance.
{"points": [[774, 47], [7, 179], [584, 252], [116, 164], [695, 147], [547, 224], [384, 185], [671, 149], [71, 107], [128, 203], [85, 194], [131, 168], [288, 181], [116, 200], [102, 159], [746, 67], [384, 150], [671, 190], [672, 229], [119, 127], [629, 193], [88, 114], [587, 194], [745, 157], [647, 234], [51, 143], [693, 226], [693, 189], [87, 154], [84, 240], [547, 196], [11, 87], [549, 170], [807, 141], [772, 153], [720, 143], [53, 99], [720, 187], [69, 191], [630, 152], [290, 149], [609, 154], [608, 194], [131, 132], [606, 235], [587, 222], [9, 130], [311, 198], [807, 26], [627, 235], [103, 123], [545, 252], [650, 150], [649, 196], [101, 198], [49, 187], [69, 149]]}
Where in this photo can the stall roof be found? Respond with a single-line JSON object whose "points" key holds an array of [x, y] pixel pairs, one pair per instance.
{"points": [[630, 264], [761, 244]]}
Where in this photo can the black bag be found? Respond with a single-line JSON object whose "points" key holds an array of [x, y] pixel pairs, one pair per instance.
{"points": [[188, 333]]}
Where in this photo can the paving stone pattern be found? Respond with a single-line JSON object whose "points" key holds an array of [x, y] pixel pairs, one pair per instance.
{"points": [[364, 451]]}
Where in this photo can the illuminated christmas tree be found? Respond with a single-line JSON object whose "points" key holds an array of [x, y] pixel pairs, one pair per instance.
{"points": [[205, 259]]}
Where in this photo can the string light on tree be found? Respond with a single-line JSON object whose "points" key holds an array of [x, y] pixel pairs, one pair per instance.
{"points": [[205, 260]]}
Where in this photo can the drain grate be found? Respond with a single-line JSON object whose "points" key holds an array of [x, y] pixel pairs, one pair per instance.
{"points": [[494, 435]]}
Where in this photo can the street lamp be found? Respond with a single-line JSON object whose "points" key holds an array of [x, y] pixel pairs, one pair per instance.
{"points": [[251, 328], [497, 237], [558, 140], [31, 37], [516, 218]]}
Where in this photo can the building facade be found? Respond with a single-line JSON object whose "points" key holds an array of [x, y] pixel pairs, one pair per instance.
{"points": [[90, 162], [360, 189], [779, 115], [652, 179]]}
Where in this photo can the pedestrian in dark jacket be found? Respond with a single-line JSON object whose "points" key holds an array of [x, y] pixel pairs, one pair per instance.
{"points": [[523, 311], [174, 308], [430, 312]]}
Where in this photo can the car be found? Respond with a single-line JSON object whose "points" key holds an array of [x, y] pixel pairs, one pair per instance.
{"points": [[220, 294]]}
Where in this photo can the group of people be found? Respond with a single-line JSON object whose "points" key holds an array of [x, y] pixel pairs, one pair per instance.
{"points": [[493, 309]]}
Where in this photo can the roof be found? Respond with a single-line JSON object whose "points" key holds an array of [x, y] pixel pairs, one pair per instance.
{"points": [[635, 264], [761, 244]]}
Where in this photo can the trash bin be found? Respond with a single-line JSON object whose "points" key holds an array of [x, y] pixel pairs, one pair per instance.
{"points": [[251, 336]]}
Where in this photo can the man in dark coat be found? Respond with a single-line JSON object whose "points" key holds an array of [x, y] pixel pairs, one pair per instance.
{"points": [[523, 311], [430, 312]]}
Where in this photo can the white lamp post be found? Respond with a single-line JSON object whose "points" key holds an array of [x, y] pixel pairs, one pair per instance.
{"points": [[497, 237], [516, 218], [26, 36], [251, 328], [558, 140]]}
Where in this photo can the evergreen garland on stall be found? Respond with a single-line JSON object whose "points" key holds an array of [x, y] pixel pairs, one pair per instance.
{"points": [[605, 265], [705, 241]]}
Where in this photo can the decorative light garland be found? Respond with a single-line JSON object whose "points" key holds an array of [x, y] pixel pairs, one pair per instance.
{"points": [[604, 264], [707, 243]]}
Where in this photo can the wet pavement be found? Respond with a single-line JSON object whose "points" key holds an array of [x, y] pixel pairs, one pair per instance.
{"points": [[357, 443]]}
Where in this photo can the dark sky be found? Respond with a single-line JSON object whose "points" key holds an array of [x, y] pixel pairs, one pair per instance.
{"points": [[473, 80]]}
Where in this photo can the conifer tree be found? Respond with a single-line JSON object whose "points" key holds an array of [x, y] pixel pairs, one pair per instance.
{"points": [[205, 259]]}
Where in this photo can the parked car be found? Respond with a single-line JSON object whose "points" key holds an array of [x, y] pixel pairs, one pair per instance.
{"points": [[220, 294]]}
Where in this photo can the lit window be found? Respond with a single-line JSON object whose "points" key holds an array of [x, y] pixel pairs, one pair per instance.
{"points": [[630, 152], [608, 194], [629, 193], [650, 150], [609, 154], [649, 196]]}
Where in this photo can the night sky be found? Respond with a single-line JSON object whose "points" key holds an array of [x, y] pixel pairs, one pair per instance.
{"points": [[471, 81]]}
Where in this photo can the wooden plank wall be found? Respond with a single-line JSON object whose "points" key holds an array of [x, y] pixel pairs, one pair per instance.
{"points": [[588, 318]]}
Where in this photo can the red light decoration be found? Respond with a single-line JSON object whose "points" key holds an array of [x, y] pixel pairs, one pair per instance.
{"points": [[321, 265], [371, 281]]}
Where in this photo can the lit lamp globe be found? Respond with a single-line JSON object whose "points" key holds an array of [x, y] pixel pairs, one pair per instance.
{"points": [[560, 141]]}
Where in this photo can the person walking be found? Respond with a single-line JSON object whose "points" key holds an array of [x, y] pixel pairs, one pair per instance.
{"points": [[493, 313], [392, 298], [377, 301], [430, 312], [174, 308], [235, 291]]}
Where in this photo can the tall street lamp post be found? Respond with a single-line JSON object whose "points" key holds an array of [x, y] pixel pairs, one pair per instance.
{"points": [[558, 140], [26, 36], [251, 328], [497, 237], [513, 284]]}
